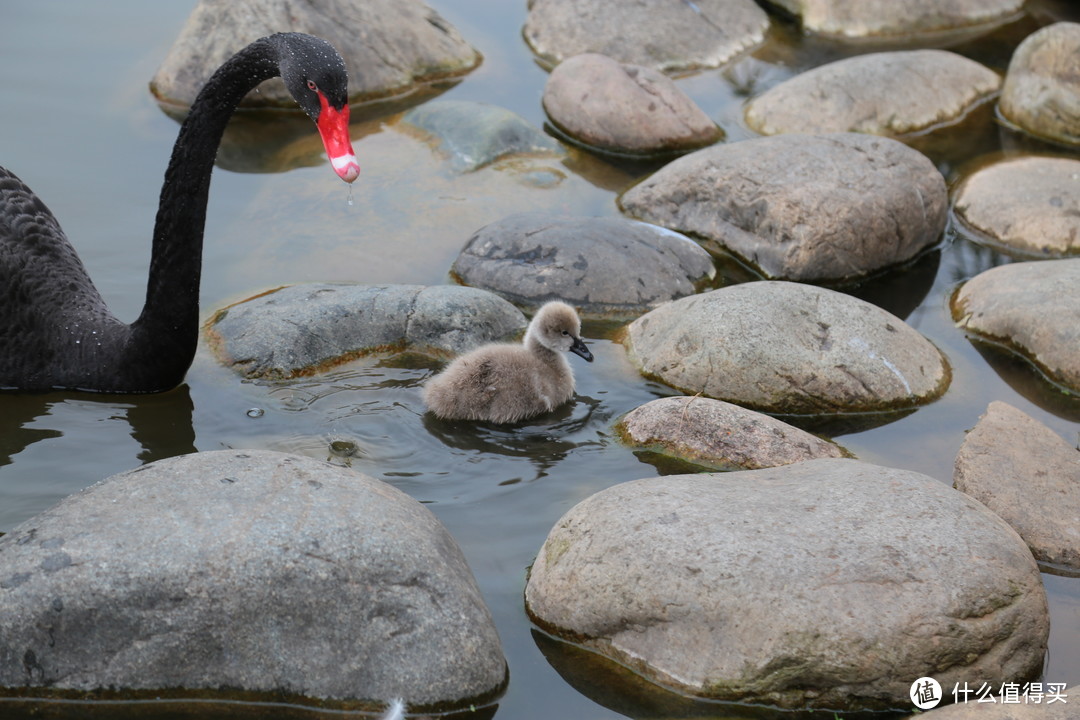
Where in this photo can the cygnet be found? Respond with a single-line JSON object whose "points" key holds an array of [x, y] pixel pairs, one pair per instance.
{"points": [[506, 383]]}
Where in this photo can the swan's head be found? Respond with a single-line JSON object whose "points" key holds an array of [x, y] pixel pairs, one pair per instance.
{"points": [[315, 75], [556, 326]]}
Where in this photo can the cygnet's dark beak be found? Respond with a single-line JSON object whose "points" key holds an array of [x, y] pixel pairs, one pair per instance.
{"points": [[579, 348]]}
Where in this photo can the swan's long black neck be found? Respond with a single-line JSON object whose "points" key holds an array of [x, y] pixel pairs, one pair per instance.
{"points": [[165, 334]]}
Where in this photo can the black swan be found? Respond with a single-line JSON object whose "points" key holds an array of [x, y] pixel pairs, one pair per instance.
{"points": [[55, 331], [506, 383]]}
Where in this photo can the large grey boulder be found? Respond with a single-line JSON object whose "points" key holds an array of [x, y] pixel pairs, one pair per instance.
{"points": [[880, 93], [1041, 93], [304, 329], [473, 134], [1032, 308], [244, 571], [721, 435], [1028, 205], [827, 583], [626, 109], [1029, 476], [867, 18], [666, 36], [801, 207], [788, 348], [390, 47], [610, 267]]}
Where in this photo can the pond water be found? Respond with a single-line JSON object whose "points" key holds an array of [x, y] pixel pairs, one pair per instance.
{"points": [[80, 127]]}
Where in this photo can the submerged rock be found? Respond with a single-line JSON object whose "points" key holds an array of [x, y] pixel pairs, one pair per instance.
{"points": [[801, 207], [303, 329], [244, 571], [1041, 93], [389, 46], [1030, 477], [788, 348], [827, 583], [666, 36], [879, 93], [609, 267], [627, 109], [476, 134], [1033, 308], [1029, 205], [895, 17], [718, 434]]}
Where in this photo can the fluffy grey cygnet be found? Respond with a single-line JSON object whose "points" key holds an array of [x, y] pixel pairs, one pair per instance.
{"points": [[506, 383]]}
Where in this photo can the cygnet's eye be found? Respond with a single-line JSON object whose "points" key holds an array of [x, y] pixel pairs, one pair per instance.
{"points": [[565, 332], [312, 86]]}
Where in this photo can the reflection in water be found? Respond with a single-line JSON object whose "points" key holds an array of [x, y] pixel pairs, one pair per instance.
{"points": [[16, 412], [900, 290], [545, 441], [196, 709], [160, 423], [833, 426], [617, 688], [1023, 377]]}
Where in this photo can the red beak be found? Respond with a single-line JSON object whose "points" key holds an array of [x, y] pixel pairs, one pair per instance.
{"points": [[334, 129]]}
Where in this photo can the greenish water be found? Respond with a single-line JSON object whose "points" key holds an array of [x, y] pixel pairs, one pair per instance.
{"points": [[79, 126]]}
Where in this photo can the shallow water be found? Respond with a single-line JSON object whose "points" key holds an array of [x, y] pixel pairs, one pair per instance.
{"points": [[80, 127]]}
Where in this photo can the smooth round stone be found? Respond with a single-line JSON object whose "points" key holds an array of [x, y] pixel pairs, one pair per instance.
{"points": [[721, 435], [666, 36], [304, 329], [880, 93], [801, 207], [827, 583], [271, 575], [1030, 206], [785, 347], [621, 108], [476, 134], [404, 44], [1041, 93], [867, 18], [604, 267], [1032, 308], [1029, 476]]}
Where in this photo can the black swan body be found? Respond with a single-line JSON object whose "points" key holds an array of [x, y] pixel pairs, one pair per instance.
{"points": [[55, 330]]}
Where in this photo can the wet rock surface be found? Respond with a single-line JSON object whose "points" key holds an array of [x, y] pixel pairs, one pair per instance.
{"points": [[390, 47], [790, 348], [609, 267], [879, 93], [621, 108], [1029, 206], [694, 582], [473, 134], [662, 35], [801, 207], [249, 570], [1029, 476], [721, 435], [1032, 308], [888, 17], [302, 329], [1041, 93]]}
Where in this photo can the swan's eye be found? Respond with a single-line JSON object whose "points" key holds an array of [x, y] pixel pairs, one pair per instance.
{"points": [[312, 86], [565, 332]]}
